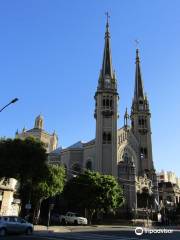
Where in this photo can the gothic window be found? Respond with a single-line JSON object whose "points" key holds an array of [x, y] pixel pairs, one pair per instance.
{"points": [[104, 102], [89, 165], [144, 153], [109, 137], [107, 101], [106, 137], [76, 169], [142, 122], [111, 103], [132, 123], [140, 105], [125, 157]]}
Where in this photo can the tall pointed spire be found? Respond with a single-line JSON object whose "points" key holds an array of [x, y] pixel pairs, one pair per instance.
{"points": [[126, 117], [138, 91], [107, 69]]}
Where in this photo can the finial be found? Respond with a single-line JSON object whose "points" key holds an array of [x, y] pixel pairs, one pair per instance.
{"points": [[137, 50], [137, 43], [107, 15], [107, 24], [126, 117]]}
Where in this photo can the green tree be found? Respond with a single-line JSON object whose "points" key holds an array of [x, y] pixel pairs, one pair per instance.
{"points": [[50, 187], [26, 160], [23, 159], [93, 191]]}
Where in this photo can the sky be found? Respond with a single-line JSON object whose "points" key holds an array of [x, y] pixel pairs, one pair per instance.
{"points": [[50, 58]]}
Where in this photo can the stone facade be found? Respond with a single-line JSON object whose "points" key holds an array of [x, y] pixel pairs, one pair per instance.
{"points": [[125, 153], [169, 188], [8, 204], [168, 176], [50, 140]]}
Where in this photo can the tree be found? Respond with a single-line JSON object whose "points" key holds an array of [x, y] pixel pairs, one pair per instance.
{"points": [[23, 159], [26, 160], [93, 191], [51, 186]]}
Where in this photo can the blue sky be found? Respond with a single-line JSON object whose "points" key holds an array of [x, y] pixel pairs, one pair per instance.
{"points": [[51, 55]]}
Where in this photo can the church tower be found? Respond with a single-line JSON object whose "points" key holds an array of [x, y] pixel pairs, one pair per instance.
{"points": [[39, 122], [140, 121], [106, 100]]}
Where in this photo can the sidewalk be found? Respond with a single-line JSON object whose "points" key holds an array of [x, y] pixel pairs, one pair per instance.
{"points": [[66, 229], [51, 229]]}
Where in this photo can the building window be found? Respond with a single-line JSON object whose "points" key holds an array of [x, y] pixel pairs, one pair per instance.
{"points": [[107, 101], [65, 168], [76, 169], [142, 122], [89, 165], [106, 137], [144, 152]]}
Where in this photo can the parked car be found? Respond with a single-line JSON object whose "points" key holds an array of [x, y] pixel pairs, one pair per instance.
{"points": [[13, 224], [73, 218]]}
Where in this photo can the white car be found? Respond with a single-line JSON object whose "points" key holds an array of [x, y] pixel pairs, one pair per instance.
{"points": [[73, 218], [13, 224]]}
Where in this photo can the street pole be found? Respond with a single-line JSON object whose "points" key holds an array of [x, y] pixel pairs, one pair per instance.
{"points": [[13, 101]]}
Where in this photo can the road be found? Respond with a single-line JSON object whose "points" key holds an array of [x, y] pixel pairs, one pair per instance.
{"points": [[110, 233]]}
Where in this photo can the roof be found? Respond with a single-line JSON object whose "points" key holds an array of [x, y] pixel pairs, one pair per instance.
{"points": [[78, 144], [56, 151]]}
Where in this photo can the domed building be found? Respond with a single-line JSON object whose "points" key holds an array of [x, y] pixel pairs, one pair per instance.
{"points": [[50, 140]]}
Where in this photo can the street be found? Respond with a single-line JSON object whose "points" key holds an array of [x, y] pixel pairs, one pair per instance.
{"points": [[107, 233]]}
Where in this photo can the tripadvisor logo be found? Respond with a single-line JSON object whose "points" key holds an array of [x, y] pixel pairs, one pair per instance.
{"points": [[139, 231]]}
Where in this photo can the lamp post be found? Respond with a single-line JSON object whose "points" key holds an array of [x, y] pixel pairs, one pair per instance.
{"points": [[13, 101]]}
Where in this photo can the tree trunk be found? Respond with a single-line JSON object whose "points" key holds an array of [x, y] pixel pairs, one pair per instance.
{"points": [[37, 211], [90, 215]]}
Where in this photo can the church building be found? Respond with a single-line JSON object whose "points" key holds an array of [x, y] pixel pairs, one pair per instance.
{"points": [[125, 153], [50, 141]]}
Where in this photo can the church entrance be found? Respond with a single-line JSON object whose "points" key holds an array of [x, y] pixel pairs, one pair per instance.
{"points": [[145, 199]]}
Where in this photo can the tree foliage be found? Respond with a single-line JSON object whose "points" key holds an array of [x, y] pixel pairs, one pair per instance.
{"points": [[51, 186], [26, 160], [94, 191], [23, 159]]}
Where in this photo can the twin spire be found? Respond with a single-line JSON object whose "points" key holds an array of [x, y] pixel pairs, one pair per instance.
{"points": [[138, 90], [107, 69]]}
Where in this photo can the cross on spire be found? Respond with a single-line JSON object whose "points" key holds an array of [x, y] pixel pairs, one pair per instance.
{"points": [[108, 16], [136, 42]]}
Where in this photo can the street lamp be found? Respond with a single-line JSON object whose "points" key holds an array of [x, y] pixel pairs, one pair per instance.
{"points": [[13, 101]]}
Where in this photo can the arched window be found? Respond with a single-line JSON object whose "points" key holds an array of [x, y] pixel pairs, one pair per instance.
{"points": [[89, 165], [125, 157], [106, 137], [109, 137], [76, 169], [65, 168], [111, 103], [104, 102], [107, 102]]}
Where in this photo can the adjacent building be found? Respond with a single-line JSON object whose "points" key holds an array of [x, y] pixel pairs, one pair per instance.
{"points": [[169, 188], [50, 140], [9, 204]]}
